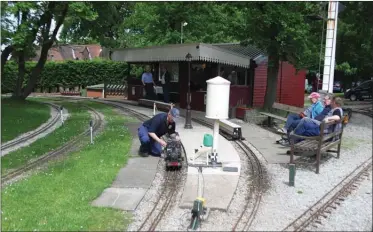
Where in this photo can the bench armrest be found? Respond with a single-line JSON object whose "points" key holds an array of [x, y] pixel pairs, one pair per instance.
{"points": [[292, 136]]}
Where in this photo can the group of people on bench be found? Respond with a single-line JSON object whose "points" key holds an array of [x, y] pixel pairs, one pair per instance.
{"points": [[308, 123]]}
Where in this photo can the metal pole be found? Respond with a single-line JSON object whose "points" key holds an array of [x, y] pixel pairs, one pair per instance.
{"points": [[330, 43], [215, 142], [181, 39], [291, 174], [61, 114], [188, 119], [91, 129]]}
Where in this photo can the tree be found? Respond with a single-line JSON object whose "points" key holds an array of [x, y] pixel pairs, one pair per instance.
{"points": [[35, 24], [104, 29], [282, 30], [158, 23], [355, 41]]}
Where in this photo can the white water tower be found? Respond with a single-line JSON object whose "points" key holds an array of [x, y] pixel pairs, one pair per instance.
{"points": [[217, 107]]}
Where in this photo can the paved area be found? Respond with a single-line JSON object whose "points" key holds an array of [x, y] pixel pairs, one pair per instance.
{"points": [[132, 181]]}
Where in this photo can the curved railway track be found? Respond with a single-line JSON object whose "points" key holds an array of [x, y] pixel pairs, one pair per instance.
{"points": [[173, 179], [330, 199], [248, 214], [37, 132], [336, 195], [97, 123]]}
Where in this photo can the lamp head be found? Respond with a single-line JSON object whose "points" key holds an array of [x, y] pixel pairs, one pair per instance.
{"points": [[188, 57]]}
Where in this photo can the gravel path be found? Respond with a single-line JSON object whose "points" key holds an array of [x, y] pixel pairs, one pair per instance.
{"points": [[282, 204], [53, 113]]}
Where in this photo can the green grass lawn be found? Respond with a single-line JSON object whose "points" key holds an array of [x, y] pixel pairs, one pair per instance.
{"points": [[60, 198], [76, 124], [18, 117]]}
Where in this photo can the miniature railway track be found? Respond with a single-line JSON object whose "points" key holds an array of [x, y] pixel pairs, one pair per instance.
{"points": [[367, 111], [331, 199], [248, 214], [97, 123], [172, 180], [37, 132]]}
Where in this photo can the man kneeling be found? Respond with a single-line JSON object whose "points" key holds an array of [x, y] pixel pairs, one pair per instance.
{"points": [[151, 131]]}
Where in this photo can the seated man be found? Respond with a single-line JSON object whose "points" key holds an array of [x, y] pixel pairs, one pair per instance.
{"points": [[311, 112], [313, 129], [150, 132]]}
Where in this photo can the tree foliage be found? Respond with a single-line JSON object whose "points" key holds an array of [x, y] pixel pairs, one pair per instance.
{"points": [[355, 39], [104, 29], [157, 23]]}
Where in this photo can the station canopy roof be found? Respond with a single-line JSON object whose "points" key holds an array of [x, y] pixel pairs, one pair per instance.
{"points": [[229, 54]]}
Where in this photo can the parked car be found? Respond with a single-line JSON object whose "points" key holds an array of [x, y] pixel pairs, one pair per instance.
{"points": [[360, 92]]}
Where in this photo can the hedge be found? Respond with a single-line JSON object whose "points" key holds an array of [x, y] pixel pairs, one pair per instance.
{"points": [[67, 73]]}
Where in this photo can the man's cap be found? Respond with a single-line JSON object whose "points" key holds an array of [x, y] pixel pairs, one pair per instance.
{"points": [[314, 95], [175, 112]]}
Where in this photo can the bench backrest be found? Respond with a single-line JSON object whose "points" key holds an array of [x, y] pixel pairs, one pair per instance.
{"points": [[287, 108], [337, 135]]}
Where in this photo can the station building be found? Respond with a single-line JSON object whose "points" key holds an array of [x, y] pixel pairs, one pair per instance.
{"points": [[208, 61]]}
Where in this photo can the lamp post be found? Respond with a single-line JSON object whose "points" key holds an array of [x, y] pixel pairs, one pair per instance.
{"points": [[183, 24], [188, 118]]}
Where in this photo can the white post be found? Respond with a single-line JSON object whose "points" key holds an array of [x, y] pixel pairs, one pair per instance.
{"points": [[330, 47], [61, 114], [153, 108], [215, 141], [91, 129]]}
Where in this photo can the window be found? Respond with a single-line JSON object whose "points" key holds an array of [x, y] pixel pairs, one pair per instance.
{"points": [[172, 68]]}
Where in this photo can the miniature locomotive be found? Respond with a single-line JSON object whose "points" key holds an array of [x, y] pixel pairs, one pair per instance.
{"points": [[173, 152]]}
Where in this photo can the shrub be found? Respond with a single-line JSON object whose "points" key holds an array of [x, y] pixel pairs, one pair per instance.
{"points": [[67, 73]]}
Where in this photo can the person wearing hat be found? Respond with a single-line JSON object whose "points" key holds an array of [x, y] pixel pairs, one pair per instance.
{"points": [[311, 112], [151, 131]]}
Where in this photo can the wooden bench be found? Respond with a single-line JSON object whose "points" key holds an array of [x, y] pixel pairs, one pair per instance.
{"points": [[283, 107], [318, 144]]}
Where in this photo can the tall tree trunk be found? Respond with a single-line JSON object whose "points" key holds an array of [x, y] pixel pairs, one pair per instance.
{"points": [[272, 73], [17, 93], [47, 44], [4, 57]]}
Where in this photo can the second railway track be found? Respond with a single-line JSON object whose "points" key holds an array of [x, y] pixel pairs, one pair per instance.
{"points": [[254, 198], [35, 133], [11, 175]]}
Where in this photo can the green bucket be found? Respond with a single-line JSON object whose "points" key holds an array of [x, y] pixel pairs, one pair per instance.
{"points": [[207, 140]]}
